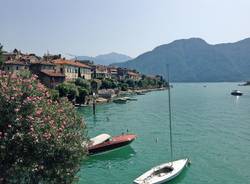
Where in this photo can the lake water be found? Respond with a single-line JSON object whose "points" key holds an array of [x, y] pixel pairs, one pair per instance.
{"points": [[210, 126]]}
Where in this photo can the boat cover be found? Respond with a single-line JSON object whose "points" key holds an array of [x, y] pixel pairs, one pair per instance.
{"points": [[99, 139]]}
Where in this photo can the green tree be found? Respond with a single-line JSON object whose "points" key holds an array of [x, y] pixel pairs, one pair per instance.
{"points": [[95, 85], [40, 139], [83, 83], [63, 89], [83, 92], [124, 86], [68, 90], [131, 83], [1, 55], [142, 83], [108, 84], [73, 92]]}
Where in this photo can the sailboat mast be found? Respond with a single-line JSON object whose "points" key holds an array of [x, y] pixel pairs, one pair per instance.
{"points": [[170, 116]]}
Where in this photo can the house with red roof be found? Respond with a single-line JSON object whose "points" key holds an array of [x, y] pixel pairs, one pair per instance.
{"points": [[72, 69]]}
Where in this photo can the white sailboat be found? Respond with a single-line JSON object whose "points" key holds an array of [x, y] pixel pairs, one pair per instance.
{"points": [[166, 171]]}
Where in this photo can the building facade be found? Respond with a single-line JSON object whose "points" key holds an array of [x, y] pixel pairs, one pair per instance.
{"points": [[15, 66], [72, 69], [100, 72], [51, 78]]}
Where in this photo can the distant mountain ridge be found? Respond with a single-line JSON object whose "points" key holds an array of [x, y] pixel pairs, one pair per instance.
{"points": [[194, 60], [106, 59]]}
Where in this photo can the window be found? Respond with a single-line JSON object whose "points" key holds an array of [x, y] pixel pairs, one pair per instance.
{"points": [[17, 68], [8, 68]]}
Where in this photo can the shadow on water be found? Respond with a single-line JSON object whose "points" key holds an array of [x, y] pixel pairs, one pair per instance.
{"points": [[116, 155], [179, 178]]}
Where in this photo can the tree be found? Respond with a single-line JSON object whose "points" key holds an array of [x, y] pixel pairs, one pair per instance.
{"points": [[95, 85], [82, 95], [1, 56], [72, 92], [68, 90], [40, 139], [83, 83], [63, 89], [108, 84], [131, 83], [124, 86]]}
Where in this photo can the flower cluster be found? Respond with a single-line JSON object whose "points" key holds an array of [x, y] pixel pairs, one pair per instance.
{"points": [[40, 139]]}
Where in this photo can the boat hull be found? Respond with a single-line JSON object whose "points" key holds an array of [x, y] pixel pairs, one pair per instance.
{"points": [[114, 144], [236, 94], [155, 176], [120, 101]]}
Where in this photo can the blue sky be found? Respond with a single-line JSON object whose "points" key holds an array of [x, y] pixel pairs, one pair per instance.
{"points": [[93, 27]]}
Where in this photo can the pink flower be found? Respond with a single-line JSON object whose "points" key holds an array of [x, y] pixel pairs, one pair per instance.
{"points": [[39, 112]]}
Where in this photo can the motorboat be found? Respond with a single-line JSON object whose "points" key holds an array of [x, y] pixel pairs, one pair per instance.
{"points": [[140, 93], [162, 173], [105, 142], [236, 93], [120, 100], [129, 98]]}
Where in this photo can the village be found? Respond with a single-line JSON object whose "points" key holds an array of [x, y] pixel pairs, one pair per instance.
{"points": [[81, 80]]}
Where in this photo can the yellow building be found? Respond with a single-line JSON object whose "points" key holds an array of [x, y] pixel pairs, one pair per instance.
{"points": [[73, 69]]}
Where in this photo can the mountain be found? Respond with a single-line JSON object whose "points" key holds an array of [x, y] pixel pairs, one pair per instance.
{"points": [[194, 60], [106, 59]]}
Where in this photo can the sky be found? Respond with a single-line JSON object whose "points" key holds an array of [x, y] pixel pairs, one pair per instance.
{"points": [[131, 27]]}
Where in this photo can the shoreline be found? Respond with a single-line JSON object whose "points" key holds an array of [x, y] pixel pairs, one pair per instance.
{"points": [[120, 94]]}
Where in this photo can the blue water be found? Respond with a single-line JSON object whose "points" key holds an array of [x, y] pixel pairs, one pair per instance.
{"points": [[210, 126]]}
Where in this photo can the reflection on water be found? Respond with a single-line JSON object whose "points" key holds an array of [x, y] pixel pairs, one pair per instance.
{"points": [[180, 177], [115, 155]]}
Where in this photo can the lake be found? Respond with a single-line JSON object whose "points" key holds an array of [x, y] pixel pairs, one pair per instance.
{"points": [[210, 126]]}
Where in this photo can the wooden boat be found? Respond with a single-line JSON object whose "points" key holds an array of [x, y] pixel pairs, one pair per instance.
{"points": [[162, 173], [236, 93], [104, 142], [140, 93], [166, 171], [120, 100], [129, 98]]}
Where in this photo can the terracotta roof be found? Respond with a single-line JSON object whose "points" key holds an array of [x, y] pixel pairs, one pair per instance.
{"points": [[52, 73], [10, 62], [42, 62], [70, 62]]}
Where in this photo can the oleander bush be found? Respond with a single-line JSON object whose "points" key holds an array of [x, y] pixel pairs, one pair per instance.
{"points": [[40, 138]]}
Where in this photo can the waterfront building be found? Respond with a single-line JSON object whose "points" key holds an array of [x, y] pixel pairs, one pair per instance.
{"points": [[133, 75], [72, 69], [37, 67], [113, 72], [51, 78], [100, 72], [124, 73]]}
